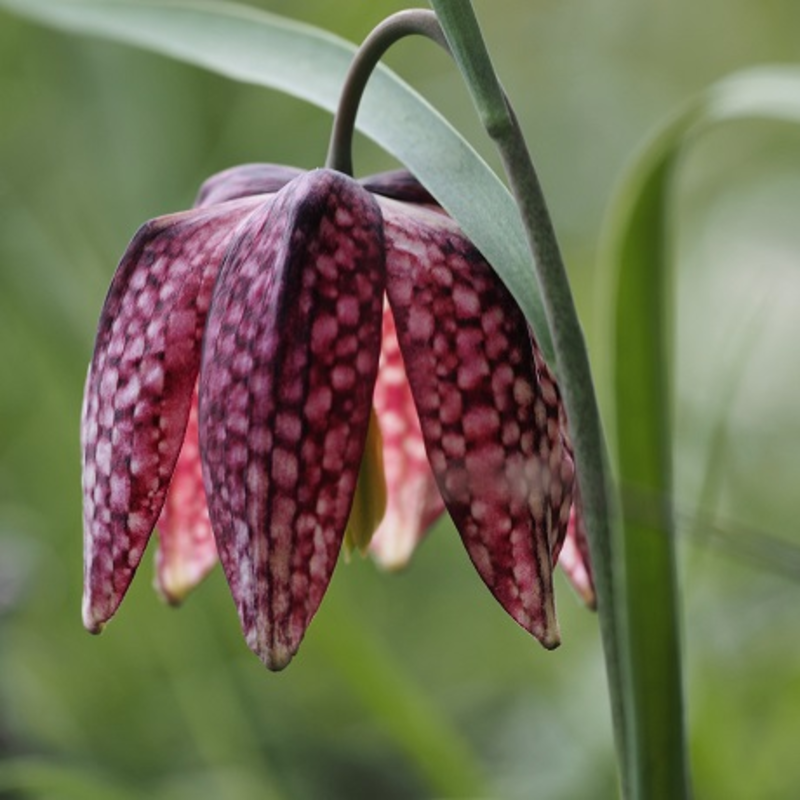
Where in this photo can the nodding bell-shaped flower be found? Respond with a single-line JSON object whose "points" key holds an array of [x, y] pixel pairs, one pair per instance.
{"points": [[232, 388]]}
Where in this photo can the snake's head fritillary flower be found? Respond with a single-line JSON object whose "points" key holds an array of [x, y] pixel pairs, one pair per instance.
{"points": [[241, 342]]}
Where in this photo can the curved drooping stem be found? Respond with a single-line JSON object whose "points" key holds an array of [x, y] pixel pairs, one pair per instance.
{"points": [[416, 21]]}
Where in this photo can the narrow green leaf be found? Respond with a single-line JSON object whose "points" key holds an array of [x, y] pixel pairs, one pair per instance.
{"points": [[256, 47], [638, 267], [657, 747]]}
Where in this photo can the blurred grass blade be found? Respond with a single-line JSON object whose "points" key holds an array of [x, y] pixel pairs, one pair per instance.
{"points": [[637, 262], [253, 46], [657, 748], [442, 756], [33, 777]]}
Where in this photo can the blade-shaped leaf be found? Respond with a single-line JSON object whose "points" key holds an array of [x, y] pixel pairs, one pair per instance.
{"points": [[265, 49], [638, 264]]}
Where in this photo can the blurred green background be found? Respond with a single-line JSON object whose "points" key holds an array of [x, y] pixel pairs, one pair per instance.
{"points": [[418, 685]]}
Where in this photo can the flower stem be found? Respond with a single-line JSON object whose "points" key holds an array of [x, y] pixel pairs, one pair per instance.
{"points": [[404, 23], [458, 20]]}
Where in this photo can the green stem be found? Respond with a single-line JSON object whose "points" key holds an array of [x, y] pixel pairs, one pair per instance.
{"points": [[599, 503], [392, 29]]}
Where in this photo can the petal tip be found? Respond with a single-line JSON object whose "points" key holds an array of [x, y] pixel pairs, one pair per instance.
{"points": [[170, 595], [96, 628], [551, 639], [275, 662], [274, 645], [392, 564], [94, 623], [391, 551], [173, 582], [544, 625], [276, 657]]}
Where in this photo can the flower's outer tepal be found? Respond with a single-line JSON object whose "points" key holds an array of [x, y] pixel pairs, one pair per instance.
{"points": [[572, 549], [139, 390], [493, 439], [289, 365]]}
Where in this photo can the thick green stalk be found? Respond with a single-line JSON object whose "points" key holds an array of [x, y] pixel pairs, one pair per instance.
{"points": [[466, 43]]}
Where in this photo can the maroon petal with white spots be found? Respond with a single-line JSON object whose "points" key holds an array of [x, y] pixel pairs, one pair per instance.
{"points": [[187, 550], [413, 501], [289, 363], [569, 547], [139, 389], [487, 428]]}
